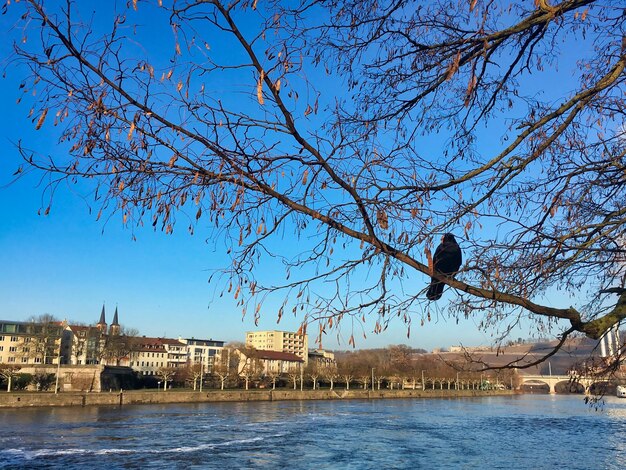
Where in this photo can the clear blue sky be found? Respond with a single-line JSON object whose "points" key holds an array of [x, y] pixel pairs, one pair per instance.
{"points": [[67, 263]]}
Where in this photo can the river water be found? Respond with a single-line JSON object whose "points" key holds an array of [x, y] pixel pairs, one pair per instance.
{"points": [[520, 432]]}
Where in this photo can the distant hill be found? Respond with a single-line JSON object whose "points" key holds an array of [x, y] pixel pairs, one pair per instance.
{"points": [[573, 352]]}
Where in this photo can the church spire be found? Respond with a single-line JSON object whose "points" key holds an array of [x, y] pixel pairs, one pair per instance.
{"points": [[102, 324], [114, 329]]}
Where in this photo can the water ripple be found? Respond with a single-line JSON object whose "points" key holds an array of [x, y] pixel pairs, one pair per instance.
{"points": [[518, 432]]}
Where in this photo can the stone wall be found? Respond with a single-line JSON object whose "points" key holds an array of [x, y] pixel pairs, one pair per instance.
{"points": [[117, 398], [91, 378]]}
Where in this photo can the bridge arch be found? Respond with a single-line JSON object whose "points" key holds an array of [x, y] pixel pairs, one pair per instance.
{"points": [[535, 386], [569, 386], [554, 384]]}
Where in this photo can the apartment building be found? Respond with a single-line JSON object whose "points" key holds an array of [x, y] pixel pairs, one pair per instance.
{"points": [[203, 351], [322, 358], [148, 355], [268, 362], [282, 341], [177, 352], [30, 343]]}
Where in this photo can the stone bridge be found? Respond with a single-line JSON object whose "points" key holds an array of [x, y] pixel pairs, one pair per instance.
{"points": [[552, 380]]}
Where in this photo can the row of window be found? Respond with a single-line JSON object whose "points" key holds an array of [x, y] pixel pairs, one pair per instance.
{"points": [[24, 360], [14, 349], [153, 354], [147, 364], [14, 339], [212, 353]]}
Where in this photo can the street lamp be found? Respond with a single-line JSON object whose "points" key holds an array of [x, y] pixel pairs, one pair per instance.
{"points": [[201, 372], [56, 385]]}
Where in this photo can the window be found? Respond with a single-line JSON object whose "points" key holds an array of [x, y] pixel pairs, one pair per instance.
{"points": [[1, 338], [11, 359], [24, 360], [37, 360], [25, 349], [1, 348], [27, 340], [12, 348], [14, 338]]}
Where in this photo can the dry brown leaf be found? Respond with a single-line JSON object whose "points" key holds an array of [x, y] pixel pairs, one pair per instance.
{"points": [[381, 218], [429, 257], [259, 88], [42, 118], [454, 66]]}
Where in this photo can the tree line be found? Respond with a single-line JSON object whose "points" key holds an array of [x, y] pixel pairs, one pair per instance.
{"points": [[395, 367]]}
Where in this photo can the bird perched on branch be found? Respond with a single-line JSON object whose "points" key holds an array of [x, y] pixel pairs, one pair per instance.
{"points": [[447, 260]]}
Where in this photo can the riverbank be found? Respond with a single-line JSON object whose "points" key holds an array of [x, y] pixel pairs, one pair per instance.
{"points": [[137, 397]]}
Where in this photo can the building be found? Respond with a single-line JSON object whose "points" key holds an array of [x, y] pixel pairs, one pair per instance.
{"points": [[24, 343], [203, 351], [281, 341], [322, 358], [81, 345], [148, 355], [177, 352], [93, 345], [267, 362]]}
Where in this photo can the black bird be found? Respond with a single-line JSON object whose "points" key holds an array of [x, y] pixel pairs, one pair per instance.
{"points": [[447, 260]]}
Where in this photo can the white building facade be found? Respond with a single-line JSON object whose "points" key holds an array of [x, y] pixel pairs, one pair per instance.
{"points": [[203, 351], [282, 341]]}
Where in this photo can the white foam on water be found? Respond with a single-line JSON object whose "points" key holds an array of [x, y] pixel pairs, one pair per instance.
{"points": [[21, 454], [211, 445], [40, 453]]}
